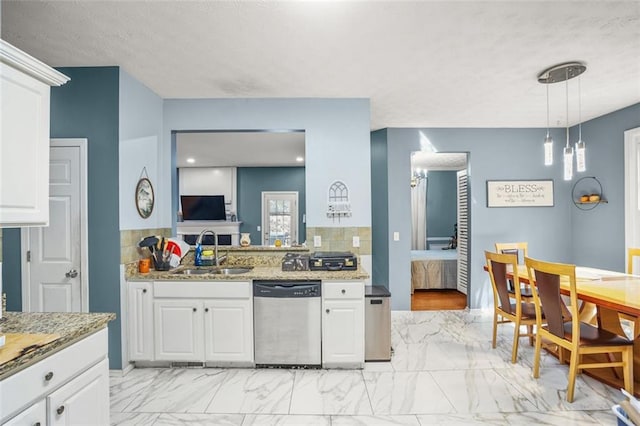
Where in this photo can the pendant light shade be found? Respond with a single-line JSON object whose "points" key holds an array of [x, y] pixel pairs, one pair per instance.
{"points": [[558, 73]]}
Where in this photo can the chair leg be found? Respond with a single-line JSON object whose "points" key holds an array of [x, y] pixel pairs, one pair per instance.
{"points": [[530, 331], [627, 368], [573, 372], [612, 358], [516, 339], [536, 357], [495, 328]]}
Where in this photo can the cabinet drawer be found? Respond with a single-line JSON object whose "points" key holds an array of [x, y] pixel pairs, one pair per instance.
{"points": [[34, 415], [23, 388], [202, 289], [343, 290]]}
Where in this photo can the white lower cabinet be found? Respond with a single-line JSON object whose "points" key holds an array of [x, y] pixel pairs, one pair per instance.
{"points": [[178, 330], [228, 330], [342, 324], [140, 302], [36, 415], [192, 321], [82, 400], [70, 387]]}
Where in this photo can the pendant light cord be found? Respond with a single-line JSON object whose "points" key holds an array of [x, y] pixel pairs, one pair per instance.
{"points": [[566, 86], [547, 109], [579, 110]]}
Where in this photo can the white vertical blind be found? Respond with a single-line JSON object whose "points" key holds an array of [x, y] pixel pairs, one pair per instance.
{"points": [[463, 228]]}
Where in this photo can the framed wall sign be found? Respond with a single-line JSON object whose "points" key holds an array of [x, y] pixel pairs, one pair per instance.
{"points": [[520, 193], [144, 197]]}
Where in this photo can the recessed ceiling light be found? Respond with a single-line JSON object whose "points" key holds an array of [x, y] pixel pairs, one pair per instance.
{"points": [[299, 159], [191, 160]]}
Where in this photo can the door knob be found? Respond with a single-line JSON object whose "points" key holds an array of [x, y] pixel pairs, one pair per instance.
{"points": [[71, 274]]}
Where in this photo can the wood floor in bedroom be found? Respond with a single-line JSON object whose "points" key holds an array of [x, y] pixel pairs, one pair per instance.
{"points": [[438, 300]]}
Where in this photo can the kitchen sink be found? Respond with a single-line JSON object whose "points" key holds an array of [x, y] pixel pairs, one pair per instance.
{"points": [[230, 270]]}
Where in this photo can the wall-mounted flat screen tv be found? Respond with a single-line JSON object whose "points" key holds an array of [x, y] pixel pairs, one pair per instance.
{"points": [[203, 207]]}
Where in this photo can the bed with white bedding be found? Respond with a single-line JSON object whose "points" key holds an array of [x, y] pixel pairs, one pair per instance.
{"points": [[434, 269]]}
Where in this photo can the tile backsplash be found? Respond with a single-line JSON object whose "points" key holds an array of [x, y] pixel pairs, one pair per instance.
{"points": [[341, 239], [129, 239]]}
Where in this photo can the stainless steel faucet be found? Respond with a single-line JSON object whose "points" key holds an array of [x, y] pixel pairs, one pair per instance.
{"points": [[215, 243]]}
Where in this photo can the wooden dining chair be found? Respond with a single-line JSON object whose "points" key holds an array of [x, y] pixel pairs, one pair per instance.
{"points": [[520, 249], [632, 253], [519, 312], [565, 329]]}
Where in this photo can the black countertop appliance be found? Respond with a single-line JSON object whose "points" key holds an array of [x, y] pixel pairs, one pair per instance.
{"points": [[333, 261]]}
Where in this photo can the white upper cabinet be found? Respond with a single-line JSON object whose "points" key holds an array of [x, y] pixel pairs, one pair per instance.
{"points": [[24, 137]]}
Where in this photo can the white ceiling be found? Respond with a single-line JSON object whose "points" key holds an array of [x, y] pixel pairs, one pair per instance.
{"points": [[438, 161], [421, 63], [240, 149]]}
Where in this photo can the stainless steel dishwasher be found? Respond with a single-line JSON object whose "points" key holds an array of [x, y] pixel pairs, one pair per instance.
{"points": [[287, 323]]}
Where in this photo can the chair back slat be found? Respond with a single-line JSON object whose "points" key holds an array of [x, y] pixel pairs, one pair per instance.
{"points": [[548, 286], [499, 272]]}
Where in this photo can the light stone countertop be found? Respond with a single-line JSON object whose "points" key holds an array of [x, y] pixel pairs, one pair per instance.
{"points": [[257, 273], [72, 327]]}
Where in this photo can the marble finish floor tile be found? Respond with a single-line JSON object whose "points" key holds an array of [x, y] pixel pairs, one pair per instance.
{"points": [[482, 390], [123, 389], [261, 391], [556, 418], [443, 371], [285, 420], [409, 420], [330, 392], [177, 419], [405, 393], [179, 391], [133, 419]]}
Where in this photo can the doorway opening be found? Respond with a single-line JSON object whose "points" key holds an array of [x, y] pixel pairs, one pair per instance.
{"points": [[279, 218], [440, 218]]}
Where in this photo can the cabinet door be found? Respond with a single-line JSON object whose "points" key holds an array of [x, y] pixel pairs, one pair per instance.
{"points": [[228, 328], [342, 332], [84, 400], [140, 321], [24, 149], [178, 330], [36, 415]]}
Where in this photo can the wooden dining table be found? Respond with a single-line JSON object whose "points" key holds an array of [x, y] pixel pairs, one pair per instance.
{"points": [[605, 294]]}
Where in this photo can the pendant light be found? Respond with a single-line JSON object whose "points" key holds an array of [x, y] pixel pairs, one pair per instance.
{"points": [[568, 151], [548, 140], [558, 73]]}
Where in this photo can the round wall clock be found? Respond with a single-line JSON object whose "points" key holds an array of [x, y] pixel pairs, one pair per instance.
{"points": [[144, 198]]}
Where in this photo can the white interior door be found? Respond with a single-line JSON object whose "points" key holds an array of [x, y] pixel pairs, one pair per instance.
{"points": [[632, 190], [279, 217], [463, 231], [55, 260]]}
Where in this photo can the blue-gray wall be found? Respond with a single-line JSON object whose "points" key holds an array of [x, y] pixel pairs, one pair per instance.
{"points": [[493, 154], [441, 203], [87, 107], [379, 209], [11, 264], [253, 180], [559, 233], [598, 237]]}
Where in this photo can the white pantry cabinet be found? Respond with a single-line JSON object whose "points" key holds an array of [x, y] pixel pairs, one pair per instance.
{"points": [[70, 387], [24, 138], [342, 324]]}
